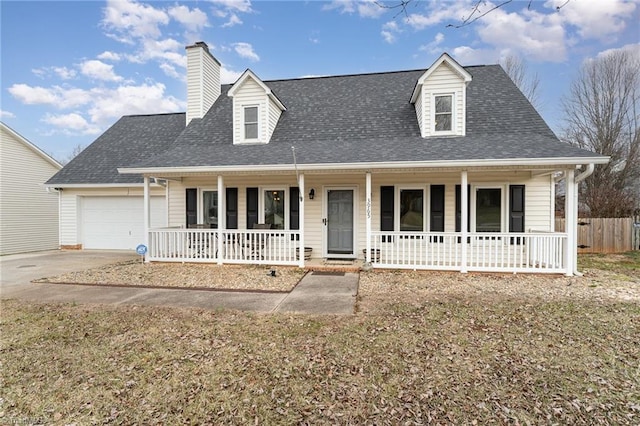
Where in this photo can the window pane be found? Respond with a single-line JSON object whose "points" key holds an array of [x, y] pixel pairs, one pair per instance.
{"points": [[274, 209], [443, 104], [251, 115], [488, 210], [210, 208], [443, 122], [411, 211], [251, 131]]}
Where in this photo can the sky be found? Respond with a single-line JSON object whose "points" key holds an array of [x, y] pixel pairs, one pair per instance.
{"points": [[71, 69]]}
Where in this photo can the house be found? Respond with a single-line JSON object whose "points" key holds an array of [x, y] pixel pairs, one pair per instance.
{"points": [[447, 168], [28, 211]]}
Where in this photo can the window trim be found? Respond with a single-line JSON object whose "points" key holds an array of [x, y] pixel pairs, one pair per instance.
{"points": [[261, 203], [397, 205], [504, 205], [244, 122], [200, 206], [452, 95]]}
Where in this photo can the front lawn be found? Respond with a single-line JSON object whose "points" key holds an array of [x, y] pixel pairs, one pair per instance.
{"points": [[447, 360]]}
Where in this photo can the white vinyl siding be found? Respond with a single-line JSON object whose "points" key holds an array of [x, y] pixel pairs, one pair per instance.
{"points": [[251, 94], [443, 81], [203, 82], [419, 112], [274, 115], [29, 215], [68, 219]]}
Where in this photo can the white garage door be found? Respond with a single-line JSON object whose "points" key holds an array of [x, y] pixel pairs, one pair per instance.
{"points": [[117, 222]]}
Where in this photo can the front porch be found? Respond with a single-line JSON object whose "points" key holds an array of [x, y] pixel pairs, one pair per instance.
{"points": [[538, 252]]}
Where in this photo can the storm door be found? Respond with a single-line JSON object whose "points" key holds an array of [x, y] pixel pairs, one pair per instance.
{"points": [[339, 222]]}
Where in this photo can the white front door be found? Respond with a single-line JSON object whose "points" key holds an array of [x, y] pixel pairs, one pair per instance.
{"points": [[340, 219]]}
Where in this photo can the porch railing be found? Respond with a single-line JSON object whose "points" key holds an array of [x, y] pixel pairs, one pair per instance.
{"points": [[494, 252], [272, 247]]}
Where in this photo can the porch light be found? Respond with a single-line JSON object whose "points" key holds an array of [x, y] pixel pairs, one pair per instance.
{"points": [[312, 193]]}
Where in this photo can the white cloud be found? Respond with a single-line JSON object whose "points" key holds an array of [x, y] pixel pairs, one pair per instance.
{"points": [[364, 8], [71, 123], [109, 56], [228, 76], [7, 114], [466, 55], [433, 46], [233, 20], [245, 50], [98, 70], [389, 31], [596, 19], [538, 36], [64, 72], [129, 99], [632, 49], [243, 6], [171, 71], [132, 19], [192, 19], [60, 97]]}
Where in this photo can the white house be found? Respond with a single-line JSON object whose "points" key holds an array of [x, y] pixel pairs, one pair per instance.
{"points": [[28, 210], [448, 168]]}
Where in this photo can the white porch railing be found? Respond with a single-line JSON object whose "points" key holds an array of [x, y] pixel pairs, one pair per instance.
{"points": [[272, 247], [488, 252]]}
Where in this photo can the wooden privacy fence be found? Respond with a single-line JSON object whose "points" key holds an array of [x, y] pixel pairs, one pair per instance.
{"points": [[605, 235]]}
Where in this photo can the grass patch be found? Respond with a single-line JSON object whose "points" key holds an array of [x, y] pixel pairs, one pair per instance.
{"points": [[446, 361], [621, 263]]}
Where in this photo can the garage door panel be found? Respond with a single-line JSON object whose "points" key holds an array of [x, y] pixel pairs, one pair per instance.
{"points": [[117, 222]]}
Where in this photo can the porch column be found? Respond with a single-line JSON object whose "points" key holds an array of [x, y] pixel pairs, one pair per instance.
{"points": [[464, 219], [147, 215], [367, 258], [301, 193], [222, 222], [571, 222]]}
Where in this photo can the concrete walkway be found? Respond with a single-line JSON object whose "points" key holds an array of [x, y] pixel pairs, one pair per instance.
{"points": [[317, 293]]}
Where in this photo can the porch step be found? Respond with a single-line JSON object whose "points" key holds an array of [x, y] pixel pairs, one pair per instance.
{"points": [[332, 265]]}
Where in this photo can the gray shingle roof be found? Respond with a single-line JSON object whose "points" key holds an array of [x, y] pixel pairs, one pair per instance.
{"points": [[368, 118], [131, 140], [364, 118]]}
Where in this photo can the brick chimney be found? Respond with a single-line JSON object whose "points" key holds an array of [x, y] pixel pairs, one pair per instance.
{"points": [[203, 80]]}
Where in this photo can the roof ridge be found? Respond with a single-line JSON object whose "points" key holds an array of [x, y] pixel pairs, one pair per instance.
{"points": [[364, 74], [154, 115]]}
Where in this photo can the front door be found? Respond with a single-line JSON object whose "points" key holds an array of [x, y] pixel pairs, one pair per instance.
{"points": [[340, 221]]}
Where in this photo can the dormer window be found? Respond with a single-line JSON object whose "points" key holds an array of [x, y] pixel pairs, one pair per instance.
{"points": [[251, 122], [443, 113]]}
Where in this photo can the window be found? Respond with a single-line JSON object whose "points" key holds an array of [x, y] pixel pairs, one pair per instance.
{"points": [[251, 122], [489, 210], [210, 209], [443, 115], [274, 208], [411, 210]]}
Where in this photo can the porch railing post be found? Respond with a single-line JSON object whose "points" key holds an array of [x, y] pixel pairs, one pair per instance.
{"points": [[221, 218], [367, 258], [147, 215], [464, 214], [301, 192]]}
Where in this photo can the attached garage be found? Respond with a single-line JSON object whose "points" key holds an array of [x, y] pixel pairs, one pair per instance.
{"points": [[117, 222]]}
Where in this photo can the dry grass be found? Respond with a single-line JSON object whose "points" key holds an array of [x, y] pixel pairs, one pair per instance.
{"points": [[186, 275], [437, 349]]}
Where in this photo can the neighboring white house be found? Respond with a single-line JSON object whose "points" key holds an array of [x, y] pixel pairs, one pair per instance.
{"points": [[28, 209], [446, 168]]}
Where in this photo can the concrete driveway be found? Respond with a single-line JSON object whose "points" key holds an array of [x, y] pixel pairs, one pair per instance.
{"points": [[315, 294]]}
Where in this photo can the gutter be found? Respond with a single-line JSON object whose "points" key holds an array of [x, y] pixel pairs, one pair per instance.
{"points": [[582, 176]]}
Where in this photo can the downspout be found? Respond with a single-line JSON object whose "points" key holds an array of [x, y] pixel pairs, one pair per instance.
{"points": [[582, 176]]}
